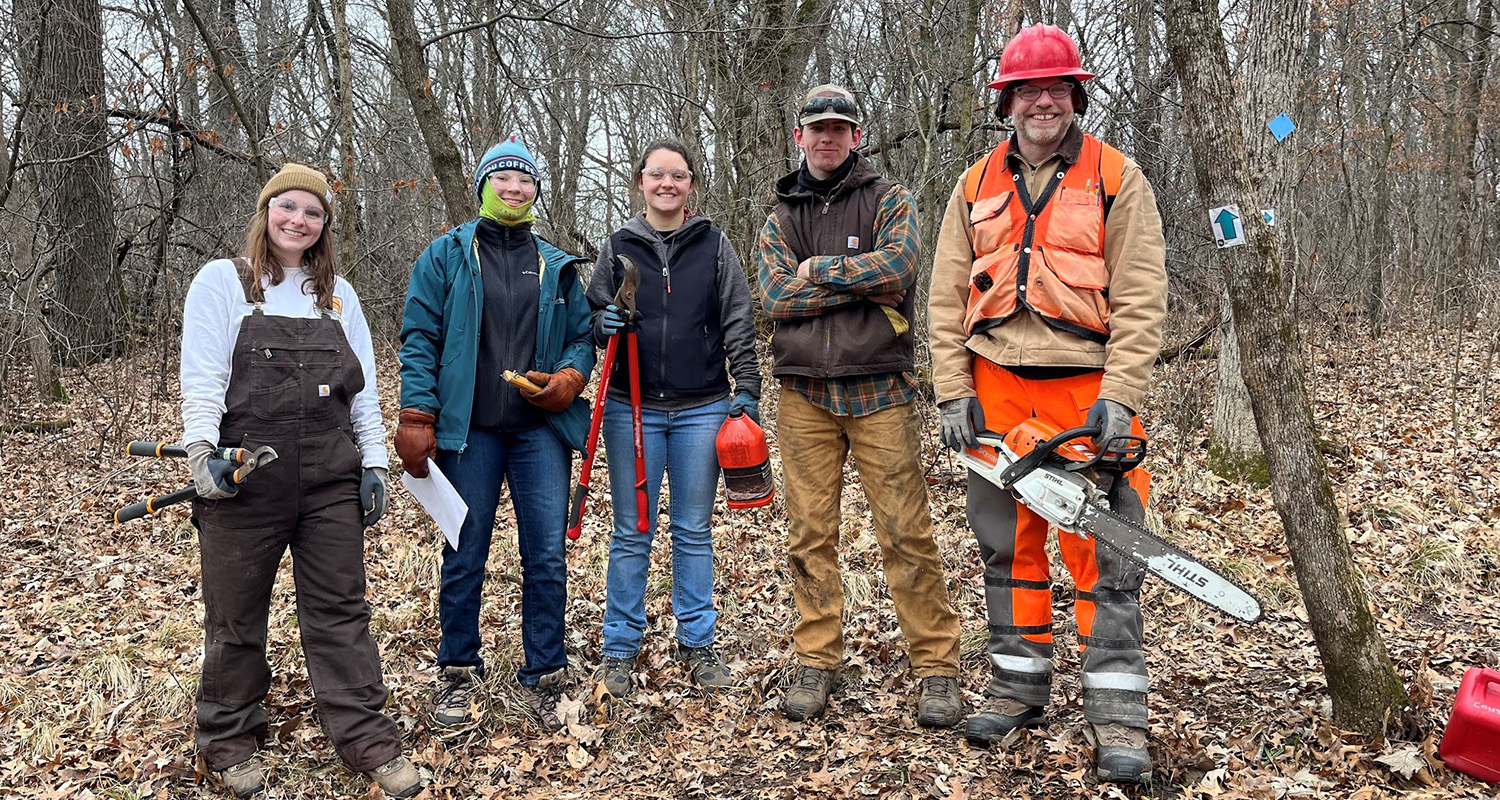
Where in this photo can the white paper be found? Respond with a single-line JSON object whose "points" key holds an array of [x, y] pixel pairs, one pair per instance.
{"points": [[440, 499]]}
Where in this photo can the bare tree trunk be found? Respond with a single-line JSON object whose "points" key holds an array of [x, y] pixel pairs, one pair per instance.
{"points": [[348, 222], [458, 192], [1234, 449], [69, 151], [1361, 681]]}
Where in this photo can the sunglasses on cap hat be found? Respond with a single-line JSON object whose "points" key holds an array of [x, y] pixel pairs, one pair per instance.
{"points": [[838, 105]]}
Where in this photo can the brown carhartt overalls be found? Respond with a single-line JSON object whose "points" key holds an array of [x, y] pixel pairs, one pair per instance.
{"points": [[291, 385]]}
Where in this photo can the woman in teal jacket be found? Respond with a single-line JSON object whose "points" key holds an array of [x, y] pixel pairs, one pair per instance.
{"points": [[488, 296]]}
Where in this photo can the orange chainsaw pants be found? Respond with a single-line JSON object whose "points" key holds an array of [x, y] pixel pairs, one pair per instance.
{"points": [[1018, 589]]}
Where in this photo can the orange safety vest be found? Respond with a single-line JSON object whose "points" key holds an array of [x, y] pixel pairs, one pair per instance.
{"points": [[1044, 254]]}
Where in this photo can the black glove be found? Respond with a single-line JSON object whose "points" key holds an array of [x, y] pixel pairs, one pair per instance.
{"points": [[213, 476], [372, 495], [963, 419], [1113, 419]]}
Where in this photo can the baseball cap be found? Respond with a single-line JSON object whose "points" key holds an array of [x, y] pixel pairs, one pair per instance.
{"points": [[828, 102]]}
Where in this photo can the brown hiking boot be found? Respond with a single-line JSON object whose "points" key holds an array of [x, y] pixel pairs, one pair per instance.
{"points": [[807, 696], [1000, 716], [938, 703], [705, 666], [245, 779], [398, 777], [543, 698], [451, 706], [1122, 755]]}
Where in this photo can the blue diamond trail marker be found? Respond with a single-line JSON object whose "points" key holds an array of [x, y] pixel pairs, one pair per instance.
{"points": [[1282, 126]]}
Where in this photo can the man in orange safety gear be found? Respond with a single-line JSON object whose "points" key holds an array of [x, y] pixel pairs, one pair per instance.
{"points": [[1047, 299]]}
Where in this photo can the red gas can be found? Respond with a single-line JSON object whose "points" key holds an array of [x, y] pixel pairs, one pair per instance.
{"points": [[1471, 742], [746, 461]]}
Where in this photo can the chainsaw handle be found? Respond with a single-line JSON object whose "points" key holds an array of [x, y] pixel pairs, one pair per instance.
{"points": [[1133, 447], [1023, 466]]}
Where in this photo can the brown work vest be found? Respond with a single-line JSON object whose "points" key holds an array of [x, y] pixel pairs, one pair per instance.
{"points": [[854, 339], [1045, 254]]}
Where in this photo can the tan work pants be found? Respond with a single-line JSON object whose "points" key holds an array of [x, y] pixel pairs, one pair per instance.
{"points": [[887, 447]]}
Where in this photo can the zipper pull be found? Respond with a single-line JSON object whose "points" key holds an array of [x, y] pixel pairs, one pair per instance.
{"points": [[267, 351], [826, 203], [668, 276]]}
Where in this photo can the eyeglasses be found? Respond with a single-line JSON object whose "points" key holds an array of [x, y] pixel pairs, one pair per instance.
{"points": [[838, 105], [505, 176], [1056, 91], [677, 175], [313, 214]]}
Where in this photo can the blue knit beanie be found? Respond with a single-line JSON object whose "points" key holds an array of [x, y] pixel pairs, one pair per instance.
{"points": [[509, 154]]}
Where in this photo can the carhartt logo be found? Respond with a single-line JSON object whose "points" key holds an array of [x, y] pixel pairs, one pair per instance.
{"points": [[323, 390], [853, 242]]}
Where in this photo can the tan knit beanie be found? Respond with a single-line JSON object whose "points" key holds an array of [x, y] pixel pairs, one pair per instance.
{"points": [[295, 176]]}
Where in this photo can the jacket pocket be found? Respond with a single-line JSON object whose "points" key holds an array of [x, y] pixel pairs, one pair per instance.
{"points": [[991, 223], [1077, 220], [992, 288]]}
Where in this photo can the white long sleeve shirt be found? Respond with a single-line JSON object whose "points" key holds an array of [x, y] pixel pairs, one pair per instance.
{"points": [[211, 323]]}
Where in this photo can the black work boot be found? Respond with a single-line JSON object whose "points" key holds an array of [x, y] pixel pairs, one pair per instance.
{"points": [[245, 779], [939, 704], [807, 696], [615, 674], [451, 706], [1000, 716], [1122, 755]]}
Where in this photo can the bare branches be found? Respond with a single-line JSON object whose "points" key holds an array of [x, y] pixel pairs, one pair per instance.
{"points": [[221, 71]]}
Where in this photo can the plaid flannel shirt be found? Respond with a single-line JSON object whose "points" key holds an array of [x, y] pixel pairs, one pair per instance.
{"points": [[838, 280]]}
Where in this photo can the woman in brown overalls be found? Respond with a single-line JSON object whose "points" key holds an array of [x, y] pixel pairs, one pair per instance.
{"points": [[275, 351]]}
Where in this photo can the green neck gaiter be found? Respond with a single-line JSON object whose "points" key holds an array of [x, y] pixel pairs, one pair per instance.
{"points": [[502, 212]]}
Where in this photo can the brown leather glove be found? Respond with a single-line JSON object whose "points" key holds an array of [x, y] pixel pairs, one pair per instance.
{"points": [[558, 388], [415, 441]]}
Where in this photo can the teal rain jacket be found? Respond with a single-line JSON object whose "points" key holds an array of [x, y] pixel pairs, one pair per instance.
{"points": [[440, 334]]}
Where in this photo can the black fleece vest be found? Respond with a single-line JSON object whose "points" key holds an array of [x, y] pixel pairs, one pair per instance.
{"points": [[680, 338], [854, 339]]}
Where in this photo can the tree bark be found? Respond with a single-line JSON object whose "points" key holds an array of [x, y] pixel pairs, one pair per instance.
{"points": [[69, 151], [1234, 449], [457, 190], [1361, 680], [348, 220]]}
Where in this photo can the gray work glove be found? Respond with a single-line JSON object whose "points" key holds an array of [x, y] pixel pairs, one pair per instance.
{"points": [[963, 419], [1113, 419], [372, 494], [213, 477]]}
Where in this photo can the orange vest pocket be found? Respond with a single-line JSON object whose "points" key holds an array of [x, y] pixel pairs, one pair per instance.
{"points": [[1076, 221]]}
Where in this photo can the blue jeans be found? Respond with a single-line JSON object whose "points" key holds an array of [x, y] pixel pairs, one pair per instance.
{"points": [[538, 467], [681, 443]]}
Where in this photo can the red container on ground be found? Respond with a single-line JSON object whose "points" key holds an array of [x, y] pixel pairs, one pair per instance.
{"points": [[1471, 742]]}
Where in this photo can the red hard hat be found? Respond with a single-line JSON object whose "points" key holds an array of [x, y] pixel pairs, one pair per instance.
{"points": [[1039, 51]]}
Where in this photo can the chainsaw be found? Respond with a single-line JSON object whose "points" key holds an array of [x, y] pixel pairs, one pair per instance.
{"points": [[1052, 472]]}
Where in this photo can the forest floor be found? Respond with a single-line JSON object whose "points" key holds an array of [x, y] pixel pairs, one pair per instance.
{"points": [[100, 636]]}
